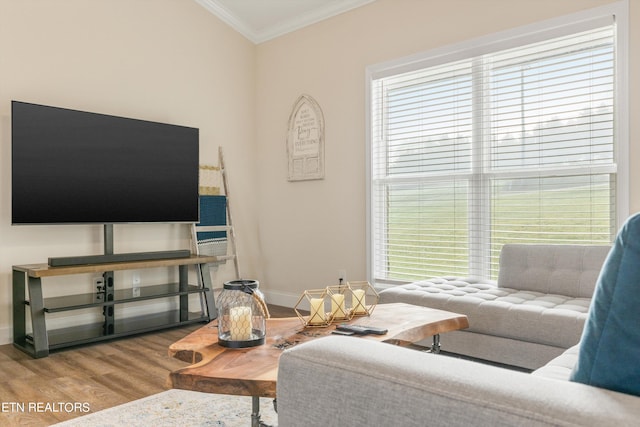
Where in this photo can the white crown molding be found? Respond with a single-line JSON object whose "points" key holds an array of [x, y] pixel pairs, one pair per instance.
{"points": [[312, 17], [230, 19], [259, 36]]}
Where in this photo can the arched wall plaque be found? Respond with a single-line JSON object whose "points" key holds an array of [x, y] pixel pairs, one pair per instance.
{"points": [[305, 140]]}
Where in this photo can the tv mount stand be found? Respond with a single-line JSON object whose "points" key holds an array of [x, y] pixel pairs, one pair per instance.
{"points": [[110, 257]]}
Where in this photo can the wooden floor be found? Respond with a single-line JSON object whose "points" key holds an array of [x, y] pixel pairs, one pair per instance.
{"points": [[41, 392]]}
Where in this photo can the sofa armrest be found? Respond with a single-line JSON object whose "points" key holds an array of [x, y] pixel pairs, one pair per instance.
{"points": [[356, 382]]}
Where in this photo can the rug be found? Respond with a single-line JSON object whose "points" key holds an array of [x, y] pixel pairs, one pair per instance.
{"points": [[179, 408]]}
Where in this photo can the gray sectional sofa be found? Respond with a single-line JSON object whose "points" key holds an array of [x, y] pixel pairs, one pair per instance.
{"points": [[357, 382], [346, 381], [534, 312]]}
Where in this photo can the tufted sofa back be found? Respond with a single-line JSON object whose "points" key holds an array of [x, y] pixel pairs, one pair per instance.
{"points": [[570, 270]]}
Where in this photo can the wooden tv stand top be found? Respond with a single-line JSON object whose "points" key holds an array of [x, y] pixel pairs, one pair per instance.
{"points": [[44, 270]]}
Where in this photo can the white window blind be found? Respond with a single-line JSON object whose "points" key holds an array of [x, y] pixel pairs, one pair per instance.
{"points": [[516, 145]]}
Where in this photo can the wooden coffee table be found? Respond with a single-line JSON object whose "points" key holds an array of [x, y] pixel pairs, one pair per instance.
{"points": [[253, 371]]}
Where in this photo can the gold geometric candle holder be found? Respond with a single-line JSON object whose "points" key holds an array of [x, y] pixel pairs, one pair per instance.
{"points": [[345, 301], [364, 298], [339, 296], [315, 300]]}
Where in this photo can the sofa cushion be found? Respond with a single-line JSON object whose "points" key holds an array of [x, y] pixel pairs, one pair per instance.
{"points": [[560, 367], [610, 344], [570, 270], [550, 319]]}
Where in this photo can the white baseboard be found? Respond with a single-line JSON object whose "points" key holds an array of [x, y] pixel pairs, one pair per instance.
{"points": [[6, 335], [275, 297], [281, 298]]}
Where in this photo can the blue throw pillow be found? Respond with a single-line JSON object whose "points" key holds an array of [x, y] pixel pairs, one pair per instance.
{"points": [[609, 355]]}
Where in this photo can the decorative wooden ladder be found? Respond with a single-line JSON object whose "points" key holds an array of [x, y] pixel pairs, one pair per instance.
{"points": [[231, 236], [197, 246]]}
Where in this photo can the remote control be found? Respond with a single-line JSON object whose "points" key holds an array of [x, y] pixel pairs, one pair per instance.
{"points": [[339, 332], [361, 330]]}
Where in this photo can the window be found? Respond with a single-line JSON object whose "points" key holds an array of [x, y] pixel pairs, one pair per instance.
{"points": [[515, 144]]}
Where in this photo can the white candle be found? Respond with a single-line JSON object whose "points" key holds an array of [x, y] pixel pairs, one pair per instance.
{"points": [[317, 311], [337, 306], [240, 323], [357, 301]]}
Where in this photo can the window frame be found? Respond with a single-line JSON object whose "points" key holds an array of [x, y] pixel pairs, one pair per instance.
{"points": [[556, 27]]}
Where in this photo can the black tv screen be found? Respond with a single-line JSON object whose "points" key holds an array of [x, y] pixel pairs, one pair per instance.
{"points": [[79, 167]]}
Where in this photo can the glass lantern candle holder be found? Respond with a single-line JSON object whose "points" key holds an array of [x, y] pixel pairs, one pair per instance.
{"points": [[364, 298], [339, 295], [315, 299], [241, 316]]}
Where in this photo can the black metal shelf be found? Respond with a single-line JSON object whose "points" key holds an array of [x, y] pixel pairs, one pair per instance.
{"points": [[84, 334], [76, 302], [28, 302]]}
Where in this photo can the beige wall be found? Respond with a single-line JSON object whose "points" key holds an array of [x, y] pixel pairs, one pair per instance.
{"points": [[161, 60], [171, 60], [309, 230]]}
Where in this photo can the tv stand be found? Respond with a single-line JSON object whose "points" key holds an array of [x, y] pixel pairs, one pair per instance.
{"points": [[28, 301]]}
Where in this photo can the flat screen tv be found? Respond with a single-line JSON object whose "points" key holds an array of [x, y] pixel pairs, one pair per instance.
{"points": [[75, 167]]}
